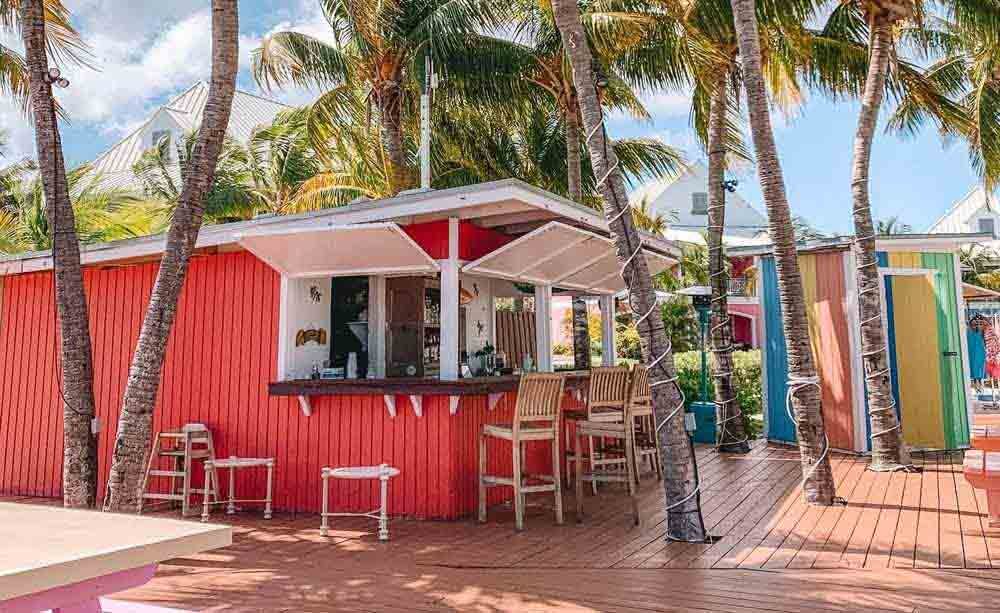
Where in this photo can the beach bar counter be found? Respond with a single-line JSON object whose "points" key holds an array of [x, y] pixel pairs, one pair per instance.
{"points": [[344, 337]]}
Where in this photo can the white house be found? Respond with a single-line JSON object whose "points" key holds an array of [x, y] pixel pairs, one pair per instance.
{"points": [[176, 118], [684, 203], [976, 212]]}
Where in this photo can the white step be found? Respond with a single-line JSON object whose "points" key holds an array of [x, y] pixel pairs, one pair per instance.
{"points": [[163, 496], [166, 473]]}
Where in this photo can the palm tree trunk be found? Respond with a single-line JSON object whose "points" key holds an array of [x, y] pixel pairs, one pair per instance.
{"points": [[680, 472], [390, 115], [135, 423], [731, 427], [581, 334], [574, 182], [887, 452], [581, 324], [79, 442], [803, 382]]}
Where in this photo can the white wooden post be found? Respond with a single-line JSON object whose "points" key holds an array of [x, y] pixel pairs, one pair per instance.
{"points": [[963, 323], [449, 305], [543, 326], [608, 356], [376, 325]]}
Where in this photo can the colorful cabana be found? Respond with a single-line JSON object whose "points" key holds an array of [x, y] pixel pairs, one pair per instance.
{"points": [[925, 324], [392, 300]]}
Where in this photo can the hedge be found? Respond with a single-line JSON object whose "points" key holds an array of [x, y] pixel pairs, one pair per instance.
{"points": [[748, 383]]}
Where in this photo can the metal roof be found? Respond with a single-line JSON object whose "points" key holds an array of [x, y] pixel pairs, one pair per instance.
{"points": [[488, 203], [893, 241], [248, 112]]}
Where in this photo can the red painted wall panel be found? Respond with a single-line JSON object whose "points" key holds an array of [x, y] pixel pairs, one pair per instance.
{"points": [[473, 241], [834, 350], [221, 356]]}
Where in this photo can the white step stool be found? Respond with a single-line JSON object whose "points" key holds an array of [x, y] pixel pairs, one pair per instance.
{"points": [[382, 472]]}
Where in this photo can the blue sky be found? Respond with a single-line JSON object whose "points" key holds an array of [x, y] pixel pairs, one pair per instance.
{"points": [[148, 52]]}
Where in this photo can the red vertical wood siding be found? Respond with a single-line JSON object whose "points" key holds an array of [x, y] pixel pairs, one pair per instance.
{"points": [[220, 357], [833, 349]]}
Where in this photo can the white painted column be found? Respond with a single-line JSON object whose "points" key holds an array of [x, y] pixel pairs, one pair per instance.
{"points": [[608, 355], [543, 326], [449, 305], [376, 325]]}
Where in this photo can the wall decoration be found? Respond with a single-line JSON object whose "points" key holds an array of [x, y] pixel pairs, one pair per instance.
{"points": [[480, 327], [315, 294], [316, 335]]}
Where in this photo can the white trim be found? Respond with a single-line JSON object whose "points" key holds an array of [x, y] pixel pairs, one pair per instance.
{"points": [[854, 341], [765, 406], [305, 405], [283, 334], [543, 327], [963, 340], [608, 345], [450, 285], [376, 326], [417, 403], [906, 272], [468, 202], [553, 254]]}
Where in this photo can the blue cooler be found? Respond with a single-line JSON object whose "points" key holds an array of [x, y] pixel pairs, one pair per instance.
{"points": [[704, 414]]}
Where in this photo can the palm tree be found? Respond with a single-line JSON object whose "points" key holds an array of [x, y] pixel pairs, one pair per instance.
{"points": [[870, 35], [135, 422], [100, 215], [804, 392], [891, 226], [381, 46], [684, 520], [79, 443]]}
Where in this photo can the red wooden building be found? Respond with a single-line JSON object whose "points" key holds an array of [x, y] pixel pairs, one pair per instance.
{"points": [[409, 285]]}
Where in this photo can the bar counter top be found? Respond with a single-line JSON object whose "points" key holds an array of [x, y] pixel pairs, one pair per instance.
{"points": [[412, 386]]}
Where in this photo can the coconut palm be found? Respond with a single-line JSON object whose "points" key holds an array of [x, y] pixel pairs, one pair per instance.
{"points": [[381, 46], [682, 491], [869, 36], [804, 393], [136, 418], [78, 410]]}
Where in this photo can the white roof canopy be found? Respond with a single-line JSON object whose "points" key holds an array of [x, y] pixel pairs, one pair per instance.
{"points": [[563, 256], [339, 251]]}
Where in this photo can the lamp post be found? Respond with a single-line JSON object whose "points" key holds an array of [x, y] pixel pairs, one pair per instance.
{"points": [[703, 409]]}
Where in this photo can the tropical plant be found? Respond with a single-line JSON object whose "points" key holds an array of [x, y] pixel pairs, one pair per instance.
{"points": [[682, 492], [891, 226], [100, 214], [381, 47], [804, 393], [78, 408], [869, 36], [136, 418]]}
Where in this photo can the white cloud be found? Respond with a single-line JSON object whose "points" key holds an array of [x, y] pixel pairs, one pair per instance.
{"points": [[667, 104]]}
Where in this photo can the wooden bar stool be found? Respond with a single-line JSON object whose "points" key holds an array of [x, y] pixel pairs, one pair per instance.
{"points": [[606, 398], [622, 472], [647, 446], [536, 418]]}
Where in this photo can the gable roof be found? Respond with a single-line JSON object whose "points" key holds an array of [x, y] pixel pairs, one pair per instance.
{"points": [[248, 112], [958, 215], [672, 198]]}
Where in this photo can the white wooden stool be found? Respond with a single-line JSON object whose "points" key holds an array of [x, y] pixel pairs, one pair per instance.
{"points": [[382, 472], [232, 463]]}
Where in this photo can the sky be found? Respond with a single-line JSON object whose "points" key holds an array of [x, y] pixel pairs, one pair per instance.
{"points": [[146, 52]]}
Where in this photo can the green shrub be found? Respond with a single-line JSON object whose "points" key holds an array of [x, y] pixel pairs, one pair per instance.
{"points": [[747, 375]]}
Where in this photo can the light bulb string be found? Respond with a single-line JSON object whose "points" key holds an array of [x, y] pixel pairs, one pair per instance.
{"points": [[643, 317]]}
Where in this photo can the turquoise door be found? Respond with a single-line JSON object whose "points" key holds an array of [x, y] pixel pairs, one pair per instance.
{"points": [[779, 425]]}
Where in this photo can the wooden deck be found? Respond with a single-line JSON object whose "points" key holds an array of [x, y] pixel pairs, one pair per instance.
{"points": [[926, 532]]}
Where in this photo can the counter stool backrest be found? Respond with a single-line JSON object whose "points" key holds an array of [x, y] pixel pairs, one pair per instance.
{"points": [[539, 398], [608, 388], [640, 395]]}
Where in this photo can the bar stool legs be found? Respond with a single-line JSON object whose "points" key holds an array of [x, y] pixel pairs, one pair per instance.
{"points": [[383, 516], [383, 473], [324, 524]]}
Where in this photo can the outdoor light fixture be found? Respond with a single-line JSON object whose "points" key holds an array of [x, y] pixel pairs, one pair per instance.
{"points": [[701, 299], [730, 185], [54, 77]]}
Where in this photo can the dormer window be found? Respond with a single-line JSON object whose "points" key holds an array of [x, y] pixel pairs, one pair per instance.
{"points": [[988, 226], [699, 203], [159, 135]]}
